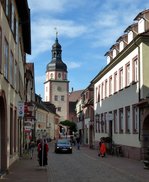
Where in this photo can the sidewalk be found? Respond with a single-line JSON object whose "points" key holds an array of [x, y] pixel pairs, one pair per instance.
{"points": [[26, 170]]}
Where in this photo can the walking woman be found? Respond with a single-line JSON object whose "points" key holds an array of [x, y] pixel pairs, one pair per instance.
{"points": [[102, 149], [43, 153]]}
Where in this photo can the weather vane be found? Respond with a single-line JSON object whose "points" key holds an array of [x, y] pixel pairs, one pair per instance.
{"points": [[56, 32]]}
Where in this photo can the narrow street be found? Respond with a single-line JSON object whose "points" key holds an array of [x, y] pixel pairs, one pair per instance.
{"points": [[85, 166]]}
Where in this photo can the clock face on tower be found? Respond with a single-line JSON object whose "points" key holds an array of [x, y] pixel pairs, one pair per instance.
{"points": [[59, 88]]}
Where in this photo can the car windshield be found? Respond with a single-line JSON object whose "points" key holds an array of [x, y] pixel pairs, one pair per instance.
{"points": [[63, 142]]}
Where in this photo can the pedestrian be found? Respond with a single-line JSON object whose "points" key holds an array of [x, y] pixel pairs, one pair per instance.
{"points": [[78, 142], [102, 149], [31, 148], [43, 153]]}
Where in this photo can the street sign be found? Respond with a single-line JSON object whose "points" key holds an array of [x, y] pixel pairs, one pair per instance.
{"points": [[20, 109]]}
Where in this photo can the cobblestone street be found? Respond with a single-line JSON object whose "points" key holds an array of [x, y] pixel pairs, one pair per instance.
{"points": [[85, 166], [81, 166]]}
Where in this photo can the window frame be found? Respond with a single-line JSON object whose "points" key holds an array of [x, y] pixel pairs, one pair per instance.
{"points": [[6, 59]]}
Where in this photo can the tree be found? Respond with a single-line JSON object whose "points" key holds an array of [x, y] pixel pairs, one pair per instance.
{"points": [[72, 125]]}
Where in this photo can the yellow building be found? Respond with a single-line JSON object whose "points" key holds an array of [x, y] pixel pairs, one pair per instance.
{"points": [[15, 42]]}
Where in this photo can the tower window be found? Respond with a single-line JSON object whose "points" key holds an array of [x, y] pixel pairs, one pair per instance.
{"points": [[59, 109], [59, 75], [51, 75], [62, 98], [56, 97]]}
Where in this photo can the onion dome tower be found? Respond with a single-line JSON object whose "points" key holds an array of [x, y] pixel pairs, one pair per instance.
{"points": [[56, 85]]}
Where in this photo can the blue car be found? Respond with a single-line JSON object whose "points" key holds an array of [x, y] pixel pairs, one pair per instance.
{"points": [[63, 146]]}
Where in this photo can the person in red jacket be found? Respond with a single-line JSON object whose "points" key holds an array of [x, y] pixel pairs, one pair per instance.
{"points": [[43, 153], [102, 149]]}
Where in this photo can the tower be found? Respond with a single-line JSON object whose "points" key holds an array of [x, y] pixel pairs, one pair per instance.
{"points": [[56, 85]]}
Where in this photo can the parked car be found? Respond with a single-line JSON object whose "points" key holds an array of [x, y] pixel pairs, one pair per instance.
{"points": [[63, 146]]}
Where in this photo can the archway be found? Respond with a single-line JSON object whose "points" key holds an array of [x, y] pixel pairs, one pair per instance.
{"points": [[3, 133], [145, 135]]}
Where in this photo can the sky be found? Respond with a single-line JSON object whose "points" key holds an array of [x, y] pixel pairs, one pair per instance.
{"points": [[86, 31]]}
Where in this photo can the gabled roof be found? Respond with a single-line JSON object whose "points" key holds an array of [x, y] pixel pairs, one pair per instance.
{"points": [[141, 14], [75, 95]]}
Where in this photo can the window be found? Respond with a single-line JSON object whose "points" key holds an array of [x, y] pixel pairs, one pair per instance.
{"points": [[127, 118], [0, 50], [6, 59], [115, 82], [105, 122], [97, 123], [141, 25], [106, 85], [56, 97], [12, 17], [102, 123], [59, 109], [110, 85], [130, 36], [15, 75], [99, 94], [96, 94], [16, 31], [62, 98], [7, 8], [51, 75], [128, 74], [115, 122], [114, 53], [135, 119], [102, 86], [11, 69], [121, 45], [121, 78], [121, 124], [59, 75], [135, 70]]}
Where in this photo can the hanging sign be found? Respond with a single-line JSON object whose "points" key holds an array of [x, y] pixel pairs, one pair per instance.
{"points": [[20, 109]]}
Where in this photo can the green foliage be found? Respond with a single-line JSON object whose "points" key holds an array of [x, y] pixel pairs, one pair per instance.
{"points": [[72, 125]]}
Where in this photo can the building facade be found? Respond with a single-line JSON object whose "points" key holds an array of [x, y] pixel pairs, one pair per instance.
{"points": [[57, 84], [88, 112], [15, 42], [121, 89]]}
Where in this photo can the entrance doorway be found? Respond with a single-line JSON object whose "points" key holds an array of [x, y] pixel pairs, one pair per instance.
{"points": [[3, 138], [145, 135]]}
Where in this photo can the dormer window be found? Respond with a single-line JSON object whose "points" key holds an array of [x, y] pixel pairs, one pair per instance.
{"points": [[121, 45], [130, 36], [114, 53], [108, 59], [141, 25]]}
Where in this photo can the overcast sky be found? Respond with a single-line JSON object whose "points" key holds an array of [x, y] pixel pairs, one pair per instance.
{"points": [[86, 31]]}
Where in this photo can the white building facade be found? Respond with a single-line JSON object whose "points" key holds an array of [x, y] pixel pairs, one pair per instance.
{"points": [[119, 88]]}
